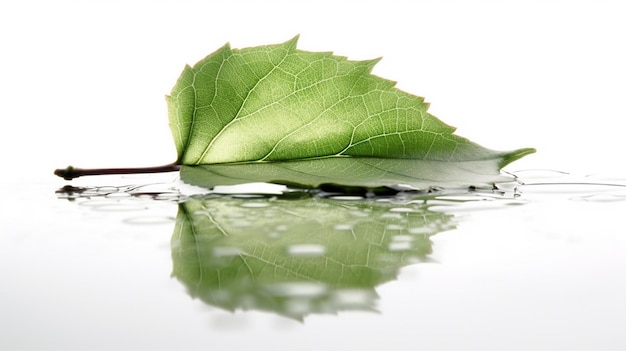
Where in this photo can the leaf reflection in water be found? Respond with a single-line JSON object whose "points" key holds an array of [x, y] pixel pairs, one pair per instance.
{"points": [[298, 256]]}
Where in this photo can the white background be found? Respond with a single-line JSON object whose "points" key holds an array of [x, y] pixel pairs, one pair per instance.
{"points": [[83, 82]]}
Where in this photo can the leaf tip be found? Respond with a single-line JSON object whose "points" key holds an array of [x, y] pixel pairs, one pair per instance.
{"points": [[292, 43], [516, 155], [372, 62]]}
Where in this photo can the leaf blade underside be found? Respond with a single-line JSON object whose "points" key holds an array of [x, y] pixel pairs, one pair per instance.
{"points": [[350, 171]]}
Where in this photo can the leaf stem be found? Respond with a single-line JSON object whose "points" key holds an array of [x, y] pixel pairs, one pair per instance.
{"points": [[70, 172]]}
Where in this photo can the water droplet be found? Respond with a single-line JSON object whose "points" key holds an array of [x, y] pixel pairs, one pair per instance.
{"points": [[247, 196], [107, 189], [360, 214], [298, 307], [354, 297], [346, 198], [117, 195], [241, 223], [255, 204], [296, 289], [394, 227], [270, 213], [173, 196], [402, 209], [234, 215], [402, 238], [343, 227], [306, 250], [399, 246], [421, 230], [226, 251], [391, 215]]}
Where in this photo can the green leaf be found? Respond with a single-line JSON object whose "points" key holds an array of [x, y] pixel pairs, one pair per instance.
{"points": [[297, 256], [276, 103]]}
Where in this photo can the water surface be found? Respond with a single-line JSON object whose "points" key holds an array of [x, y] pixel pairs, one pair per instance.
{"points": [[109, 265]]}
